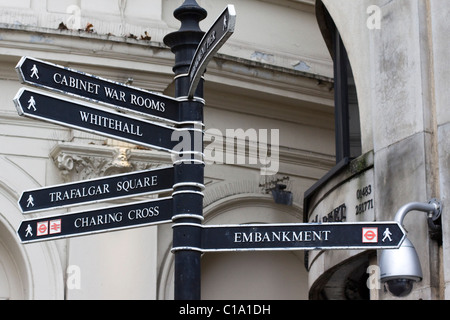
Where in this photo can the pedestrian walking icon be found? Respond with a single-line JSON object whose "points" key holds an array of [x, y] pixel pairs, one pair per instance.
{"points": [[30, 201], [387, 235], [32, 104], [225, 23], [28, 230], [34, 72]]}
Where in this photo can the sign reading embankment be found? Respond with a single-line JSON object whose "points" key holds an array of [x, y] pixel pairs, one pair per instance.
{"points": [[302, 236]]}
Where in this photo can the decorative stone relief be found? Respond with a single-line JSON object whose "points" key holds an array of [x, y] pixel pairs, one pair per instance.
{"points": [[78, 162]]}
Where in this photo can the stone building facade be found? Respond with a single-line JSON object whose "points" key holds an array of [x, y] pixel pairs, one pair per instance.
{"points": [[274, 81]]}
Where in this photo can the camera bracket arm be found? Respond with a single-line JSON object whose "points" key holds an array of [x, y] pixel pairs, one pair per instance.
{"points": [[433, 209]]}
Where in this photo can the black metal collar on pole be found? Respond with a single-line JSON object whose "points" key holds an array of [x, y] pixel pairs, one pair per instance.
{"points": [[189, 166]]}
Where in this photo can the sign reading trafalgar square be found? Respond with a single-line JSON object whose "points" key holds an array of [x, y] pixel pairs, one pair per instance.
{"points": [[68, 81], [95, 190]]}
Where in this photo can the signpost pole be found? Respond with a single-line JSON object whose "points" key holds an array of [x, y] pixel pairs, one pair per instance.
{"points": [[188, 164]]}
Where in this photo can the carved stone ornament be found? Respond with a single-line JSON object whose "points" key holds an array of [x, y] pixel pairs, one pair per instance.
{"points": [[78, 162]]}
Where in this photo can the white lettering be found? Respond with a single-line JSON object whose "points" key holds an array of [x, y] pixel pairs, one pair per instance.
{"points": [[147, 103], [110, 123], [98, 220], [282, 236], [112, 93], [143, 213], [79, 193], [71, 82]]}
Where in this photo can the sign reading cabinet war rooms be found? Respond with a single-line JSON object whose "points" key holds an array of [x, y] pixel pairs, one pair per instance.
{"points": [[68, 81]]}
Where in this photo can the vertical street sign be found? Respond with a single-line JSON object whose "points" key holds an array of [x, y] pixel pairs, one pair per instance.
{"points": [[77, 115], [68, 81], [95, 190], [302, 236], [213, 39], [133, 215]]}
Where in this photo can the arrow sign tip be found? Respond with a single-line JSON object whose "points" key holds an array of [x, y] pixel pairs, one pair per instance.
{"points": [[17, 102]]}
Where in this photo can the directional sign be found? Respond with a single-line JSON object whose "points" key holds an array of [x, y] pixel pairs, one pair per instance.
{"points": [[302, 236], [211, 42], [77, 115], [94, 190], [54, 77], [100, 220]]}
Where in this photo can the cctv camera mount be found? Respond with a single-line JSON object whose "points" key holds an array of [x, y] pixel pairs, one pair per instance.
{"points": [[434, 210], [400, 268]]}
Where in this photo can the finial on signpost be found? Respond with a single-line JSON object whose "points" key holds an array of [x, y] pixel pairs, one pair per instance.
{"points": [[184, 42], [190, 7]]}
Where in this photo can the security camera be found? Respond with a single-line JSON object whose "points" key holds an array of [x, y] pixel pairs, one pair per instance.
{"points": [[400, 269]]}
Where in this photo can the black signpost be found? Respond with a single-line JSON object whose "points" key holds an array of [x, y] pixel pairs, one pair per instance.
{"points": [[78, 115], [189, 173], [95, 221], [95, 190], [68, 81]]}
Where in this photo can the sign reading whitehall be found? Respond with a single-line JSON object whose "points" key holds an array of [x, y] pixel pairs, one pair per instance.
{"points": [[94, 190], [133, 215], [58, 78], [37, 105], [302, 236]]}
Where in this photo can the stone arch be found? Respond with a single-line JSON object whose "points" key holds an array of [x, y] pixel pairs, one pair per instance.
{"points": [[31, 271]]}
